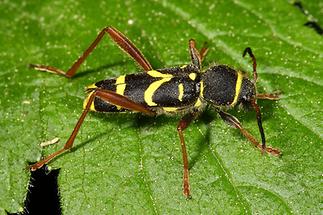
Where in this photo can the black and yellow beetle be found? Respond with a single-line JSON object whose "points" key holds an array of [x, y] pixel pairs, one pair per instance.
{"points": [[186, 90]]}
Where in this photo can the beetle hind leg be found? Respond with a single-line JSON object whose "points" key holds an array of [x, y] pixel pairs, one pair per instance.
{"points": [[105, 95], [121, 40]]}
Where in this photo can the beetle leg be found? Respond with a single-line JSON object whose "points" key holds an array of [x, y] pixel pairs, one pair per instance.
{"points": [[204, 50], [121, 40], [254, 63], [182, 125], [234, 122], [195, 54], [268, 96], [105, 95], [197, 57], [125, 44]]}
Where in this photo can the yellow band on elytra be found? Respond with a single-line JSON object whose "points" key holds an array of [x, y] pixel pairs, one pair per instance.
{"points": [[180, 91]]}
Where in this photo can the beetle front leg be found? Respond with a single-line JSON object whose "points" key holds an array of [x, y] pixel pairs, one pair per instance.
{"points": [[234, 122], [120, 39], [268, 96]]}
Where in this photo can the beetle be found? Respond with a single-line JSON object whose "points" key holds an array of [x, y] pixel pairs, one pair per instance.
{"points": [[186, 90]]}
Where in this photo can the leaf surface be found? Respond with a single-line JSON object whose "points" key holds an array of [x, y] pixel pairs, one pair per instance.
{"points": [[131, 163]]}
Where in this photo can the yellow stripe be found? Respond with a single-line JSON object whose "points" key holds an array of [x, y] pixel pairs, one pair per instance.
{"points": [[148, 95], [156, 74], [91, 86], [198, 103], [180, 92], [92, 108], [238, 88], [170, 109], [120, 86], [184, 66], [201, 88], [192, 76]]}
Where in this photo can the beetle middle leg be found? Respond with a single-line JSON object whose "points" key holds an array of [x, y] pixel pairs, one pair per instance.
{"points": [[182, 125], [121, 40], [105, 95], [234, 122]]}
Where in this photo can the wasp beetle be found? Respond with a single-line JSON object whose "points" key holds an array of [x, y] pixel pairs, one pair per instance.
{"points": [[184, 89]]}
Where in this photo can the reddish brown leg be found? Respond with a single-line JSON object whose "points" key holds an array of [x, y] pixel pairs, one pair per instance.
{"points": [[254, 63], [268, 96], [105, 95], [204, 50], [195, 54], [122, 41], [234, 122], [184, 123]]}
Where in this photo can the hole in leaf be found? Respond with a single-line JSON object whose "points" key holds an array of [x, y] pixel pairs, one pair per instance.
{"points": [[43, 194], [312, 23]]}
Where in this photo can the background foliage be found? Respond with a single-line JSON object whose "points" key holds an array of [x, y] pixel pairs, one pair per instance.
{"points": [[131, 163]]}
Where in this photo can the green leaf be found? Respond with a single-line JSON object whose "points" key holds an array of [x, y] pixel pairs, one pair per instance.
{"points": [[131, 163]]}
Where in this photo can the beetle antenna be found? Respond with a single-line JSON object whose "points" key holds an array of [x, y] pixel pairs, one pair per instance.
{"points": [[254, 63], [261, 130]]}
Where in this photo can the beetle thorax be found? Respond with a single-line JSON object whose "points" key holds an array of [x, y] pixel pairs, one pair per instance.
{"points": [[220, 84]]}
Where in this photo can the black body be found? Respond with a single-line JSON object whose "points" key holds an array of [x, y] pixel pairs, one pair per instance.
{"points": [[216, 86]]}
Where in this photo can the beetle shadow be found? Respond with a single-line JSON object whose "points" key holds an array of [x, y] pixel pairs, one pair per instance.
{"points": [[92, 139], [150, 51], [204, 141], [247, 113], [101, 68], [268, 108], [141, 121], [205, 118], [74, 148], [146, 122]]}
